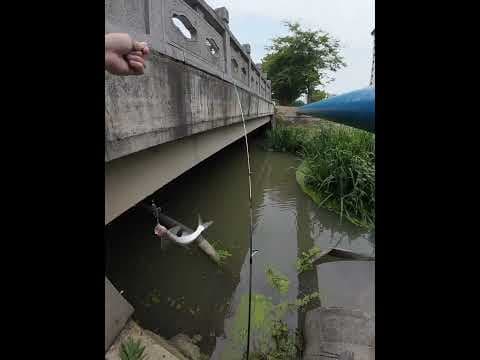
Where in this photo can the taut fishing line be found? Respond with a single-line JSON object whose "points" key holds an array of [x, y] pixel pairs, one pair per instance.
{"points": [[251, 223]]}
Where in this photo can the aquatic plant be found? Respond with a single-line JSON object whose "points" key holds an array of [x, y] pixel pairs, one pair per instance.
{"points": [[154, 297], [132, 350], [222, 255], [302, 303], [277, 280], [263, 314], [286, 344], [272, 340], [305, 261], [339, 166]]}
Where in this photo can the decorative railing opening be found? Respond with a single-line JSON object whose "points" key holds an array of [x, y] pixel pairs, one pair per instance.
{"points": [[184, 26], [244, 73], [234, 65], [212, 46]]}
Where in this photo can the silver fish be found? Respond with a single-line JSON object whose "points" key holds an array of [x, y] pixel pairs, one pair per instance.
{"points": [[187, 239]]}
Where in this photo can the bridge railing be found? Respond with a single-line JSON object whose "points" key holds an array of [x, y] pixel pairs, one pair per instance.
{"points": [[212, 47], [187, 86]]}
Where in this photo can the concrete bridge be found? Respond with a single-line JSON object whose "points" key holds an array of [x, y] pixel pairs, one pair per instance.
{"points": [[183, 110]]}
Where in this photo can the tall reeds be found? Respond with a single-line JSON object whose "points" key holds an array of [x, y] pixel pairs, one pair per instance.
{"points": [[339, 166]]}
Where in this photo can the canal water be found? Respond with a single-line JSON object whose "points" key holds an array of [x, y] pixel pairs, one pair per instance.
{"points": [[180, 290]]}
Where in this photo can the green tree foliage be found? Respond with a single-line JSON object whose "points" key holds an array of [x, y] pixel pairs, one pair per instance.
{"points": [[299, 62], [318, 95], [298, 103]]}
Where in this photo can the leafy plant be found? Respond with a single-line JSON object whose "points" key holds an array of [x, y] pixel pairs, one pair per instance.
{"points": [[305, 261], [277, 280], [302, 303], [132, 350], [223, 255]]}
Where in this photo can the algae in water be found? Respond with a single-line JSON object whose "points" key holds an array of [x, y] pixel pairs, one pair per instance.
{"points": [[277, 280]]}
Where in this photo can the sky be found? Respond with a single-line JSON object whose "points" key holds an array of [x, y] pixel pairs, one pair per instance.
{"points": [[350, 21]]}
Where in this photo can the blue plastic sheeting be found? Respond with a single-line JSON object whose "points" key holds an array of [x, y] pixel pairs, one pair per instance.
{"points": [[356, 109]]}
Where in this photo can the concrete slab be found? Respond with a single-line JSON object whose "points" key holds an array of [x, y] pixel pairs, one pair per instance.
{"points": [[339, 331], [156, 348], [117, 313]]}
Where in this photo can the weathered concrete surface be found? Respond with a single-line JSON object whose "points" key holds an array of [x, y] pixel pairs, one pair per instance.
{"points": [[130, 179], [156, 348], [187, 88], [289, 114], [338, 330], [152, 21], [186, 346], [171, 101], [117, 312]]}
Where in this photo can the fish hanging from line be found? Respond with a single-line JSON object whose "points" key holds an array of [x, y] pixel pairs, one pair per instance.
{"points": [[172, 233]]}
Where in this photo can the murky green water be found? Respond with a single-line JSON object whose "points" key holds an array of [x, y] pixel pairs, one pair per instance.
{"points": [[181, 290]]}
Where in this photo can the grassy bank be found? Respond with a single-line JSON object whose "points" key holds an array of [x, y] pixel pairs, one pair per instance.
{"points": [[338, 171]]}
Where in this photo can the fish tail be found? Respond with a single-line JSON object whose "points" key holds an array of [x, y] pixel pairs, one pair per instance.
{"points": [[207, 224], [201, 223]]}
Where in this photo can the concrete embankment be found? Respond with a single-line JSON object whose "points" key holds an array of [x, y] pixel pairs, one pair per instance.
{"points": [[289, 114], [339, 332], [180, 347]]}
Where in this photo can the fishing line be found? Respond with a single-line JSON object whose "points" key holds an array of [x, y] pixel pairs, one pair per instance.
{"points": [[252, 252]]}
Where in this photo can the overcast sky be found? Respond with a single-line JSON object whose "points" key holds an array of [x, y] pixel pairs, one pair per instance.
{"points": [[350, 21]]}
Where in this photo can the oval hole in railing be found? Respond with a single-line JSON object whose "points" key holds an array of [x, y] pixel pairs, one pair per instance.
{"points": [[184, 25], [244, 72], [212, 46], [234, 65]]}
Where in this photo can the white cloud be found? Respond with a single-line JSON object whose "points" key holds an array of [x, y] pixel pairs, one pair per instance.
{"points": [[350, 21]]}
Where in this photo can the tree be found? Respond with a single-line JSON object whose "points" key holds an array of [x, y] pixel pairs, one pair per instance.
{"points": [[298, 103], [299, 62], [318, 95]]}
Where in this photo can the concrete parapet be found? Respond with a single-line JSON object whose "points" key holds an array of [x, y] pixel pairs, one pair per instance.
{"points": [[222, 12], [188, 86]]}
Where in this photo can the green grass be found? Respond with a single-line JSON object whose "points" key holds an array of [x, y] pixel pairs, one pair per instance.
{"points": [[338, 169], [287, 138]]}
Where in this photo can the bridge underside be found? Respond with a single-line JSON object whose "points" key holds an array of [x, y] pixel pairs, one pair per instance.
{"points": [[130, 179]]}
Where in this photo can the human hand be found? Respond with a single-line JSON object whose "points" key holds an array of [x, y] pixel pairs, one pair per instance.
{"points": [[123, 55], [160, 230]]}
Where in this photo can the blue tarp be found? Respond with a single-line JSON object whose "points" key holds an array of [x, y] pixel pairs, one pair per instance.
{"points": [[356, 109]]}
